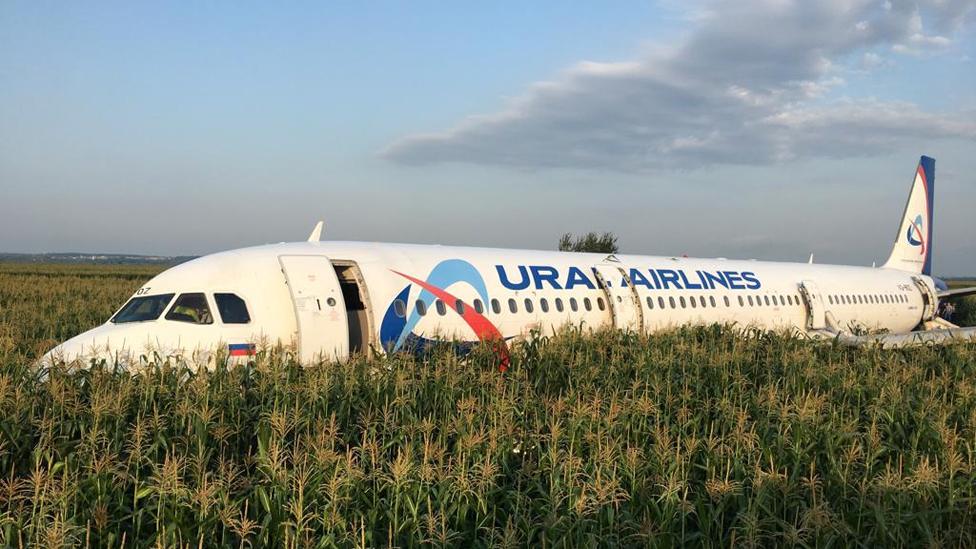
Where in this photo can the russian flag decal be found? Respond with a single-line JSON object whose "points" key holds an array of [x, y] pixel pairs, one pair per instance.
{"points": [[241, 349]]}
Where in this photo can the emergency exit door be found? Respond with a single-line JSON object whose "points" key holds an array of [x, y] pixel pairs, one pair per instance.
{"points": [[320, 312], [625, 309], [816, 312]]}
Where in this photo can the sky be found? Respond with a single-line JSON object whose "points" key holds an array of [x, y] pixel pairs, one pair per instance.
{"points": [[767, 129]]}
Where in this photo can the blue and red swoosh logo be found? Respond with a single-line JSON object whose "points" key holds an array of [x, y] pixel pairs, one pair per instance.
{"points": [[397, 328], [915, 234]]}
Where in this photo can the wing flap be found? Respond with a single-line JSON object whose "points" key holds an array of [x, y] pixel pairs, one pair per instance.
{"points": [[911, 339]]}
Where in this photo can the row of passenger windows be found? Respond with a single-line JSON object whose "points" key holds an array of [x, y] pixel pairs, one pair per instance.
{"points": [[866, 299], [702, 302], [660, 302], [400, 307]]}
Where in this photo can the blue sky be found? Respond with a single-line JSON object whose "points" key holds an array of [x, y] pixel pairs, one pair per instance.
{"points": [[767, 129]]}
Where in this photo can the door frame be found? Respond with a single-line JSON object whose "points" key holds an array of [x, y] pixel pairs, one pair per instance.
{"points": [[372, 333], [612, 295], [816, 308]]}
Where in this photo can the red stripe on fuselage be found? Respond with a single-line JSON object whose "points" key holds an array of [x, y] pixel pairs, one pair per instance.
{"points": [[483, 328]]}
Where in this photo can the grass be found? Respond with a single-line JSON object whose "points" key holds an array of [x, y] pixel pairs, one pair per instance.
{"points": [[702, 436]]}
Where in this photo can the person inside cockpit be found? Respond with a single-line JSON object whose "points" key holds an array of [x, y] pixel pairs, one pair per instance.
{"points": [[191, 308]]}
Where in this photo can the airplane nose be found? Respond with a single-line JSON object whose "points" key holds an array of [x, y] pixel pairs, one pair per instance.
{"points": [[127, 347], [95, 344]]}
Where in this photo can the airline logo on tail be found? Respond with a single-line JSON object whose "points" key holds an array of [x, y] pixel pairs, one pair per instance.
{"points": [[915, 234]]}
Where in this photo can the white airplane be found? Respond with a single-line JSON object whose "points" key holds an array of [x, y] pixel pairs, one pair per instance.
{"points": [[332, 300]]}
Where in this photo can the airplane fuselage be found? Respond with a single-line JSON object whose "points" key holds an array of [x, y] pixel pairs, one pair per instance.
{"points": [[333, 299]]}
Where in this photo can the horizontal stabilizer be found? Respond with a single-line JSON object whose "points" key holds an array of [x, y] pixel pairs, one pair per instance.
{"points": [[957, 292]]}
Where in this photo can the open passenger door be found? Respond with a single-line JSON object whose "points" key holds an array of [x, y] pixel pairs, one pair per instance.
{"points": [[320, 311]]}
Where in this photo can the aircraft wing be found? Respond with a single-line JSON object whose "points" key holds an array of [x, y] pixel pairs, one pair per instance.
{"points": [[912, 339], [957, 292]]}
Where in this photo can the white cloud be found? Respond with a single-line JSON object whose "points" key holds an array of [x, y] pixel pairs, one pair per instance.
{"points": [[745, 87]]}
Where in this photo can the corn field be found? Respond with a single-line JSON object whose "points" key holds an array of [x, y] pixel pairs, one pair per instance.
{"points": [[701, 436]]}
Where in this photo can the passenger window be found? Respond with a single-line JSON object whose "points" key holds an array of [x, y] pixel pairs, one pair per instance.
{"points": [[650, 302], [711, 299], [573, 305], [684, 304], [512, 306], [672, 303], [421, 308], [726, 299], [559, 304], [701, 299], [599, 303], [544, 305], [766, 299], [478, 307], [496, 307], [586, 304], [459, 306], [750, 301], [191, 308], [399, 307], [741, 302], [528, 305], [694, 302], [441, 308], [660, 302]]}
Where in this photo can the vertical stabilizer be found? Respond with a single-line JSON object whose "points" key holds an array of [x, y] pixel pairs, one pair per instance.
{"points": [[913, 243]]}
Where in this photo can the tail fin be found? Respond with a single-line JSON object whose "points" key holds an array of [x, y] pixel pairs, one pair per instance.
{"points": [[913, 243]]}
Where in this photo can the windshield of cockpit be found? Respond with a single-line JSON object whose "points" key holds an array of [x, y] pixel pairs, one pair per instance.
{"points": [[143, 308]]}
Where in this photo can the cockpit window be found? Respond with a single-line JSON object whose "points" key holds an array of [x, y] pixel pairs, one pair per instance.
{"points": [[232, 309], [191, 308], [140, 309]]}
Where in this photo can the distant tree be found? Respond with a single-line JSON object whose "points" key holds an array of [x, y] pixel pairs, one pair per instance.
{"points": [[605, 243]]}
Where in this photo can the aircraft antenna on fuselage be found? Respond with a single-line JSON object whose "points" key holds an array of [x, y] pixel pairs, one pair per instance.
{"points": [[316, 232]]}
